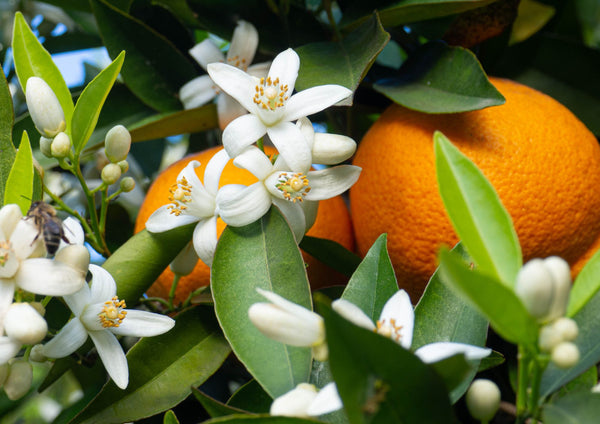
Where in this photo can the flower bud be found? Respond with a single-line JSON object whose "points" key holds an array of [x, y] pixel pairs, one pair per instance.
{"points": [[61, 145], [483, 399], [44, 107], [561, 275], [296, 402], [37, 354], [111, 173], [549, 338], [24, 324], [124, 165], [127, 184], [565, 355], [185, 261], [46, 146], [117, 143], [19, 379], [566, 328], [75, 255]]}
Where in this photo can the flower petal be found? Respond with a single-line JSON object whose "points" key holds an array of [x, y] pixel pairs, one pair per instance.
{"points": [[78, 300], [234, 82], [292, 145], [259, 70], [206, 52], [112, 356], [26, 238], [203, 202], [326, 401], [243, 44], [307, 130], [197, 92], [73, 232], [70, 338], [10, 215], [254, 160], [331, 149], [399, 308], [294, 214], [294, 403], [434, 352], [299, 311], [353, 313], [313, 100], [228, 109], [330, 182], [163, 220], [310, 209], [8, 349], [285, 66], [58, 279], [143, 324], [7, 291], [241, 133], [213, 171], [103, 286], [245, 206], [205, 239]]}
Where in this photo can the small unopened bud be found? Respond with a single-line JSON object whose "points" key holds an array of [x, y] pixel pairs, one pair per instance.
{"points": [[111, 173], [61, 145], [185, 261], [75, 255], [483, 399], [565, 355], [24, 324], [117, 143], [19, 379], [127, 184], [36, 354], [44, 107], [566, 328], [549, 338], [124, 165], [46, 146]]}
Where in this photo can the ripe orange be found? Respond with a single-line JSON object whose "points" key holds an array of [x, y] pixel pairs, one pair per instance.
{"points": [[333, 222], [543, 162]]}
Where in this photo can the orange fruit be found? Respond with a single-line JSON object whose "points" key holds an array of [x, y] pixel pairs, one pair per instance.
{"points": [[543, 162], [332, 222]]}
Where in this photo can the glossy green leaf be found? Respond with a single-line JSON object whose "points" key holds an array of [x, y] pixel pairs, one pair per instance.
{"points": [[170, 418], [532, 17], [477, 215], [262, 254], [214, 407], [31, 59], [163, 369], [19, 185], [494, 300], [438, 78], [6, 123], [374, 281], [261, 419], [456, 372], [331, 254], [154, 69], [578, 408], [586, 285], [90, 102], [168, 124], [378, 380], [345, 62], [251, 397], [585, 381]]}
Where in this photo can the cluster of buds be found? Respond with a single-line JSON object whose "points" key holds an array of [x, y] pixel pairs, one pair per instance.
{"points": [[116, 148], [544, 286], [16, 377]]}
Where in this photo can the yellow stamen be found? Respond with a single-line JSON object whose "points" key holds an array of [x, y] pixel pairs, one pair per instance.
{"points": [[294, 187], [270, 94], [113, 313], [4, 252], [390, 330], [180, 194]]}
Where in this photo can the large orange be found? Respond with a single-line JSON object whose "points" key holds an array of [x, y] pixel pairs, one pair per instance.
{"points": [[333, 222], [543, 162]]}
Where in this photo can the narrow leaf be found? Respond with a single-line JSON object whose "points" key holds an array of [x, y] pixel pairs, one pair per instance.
{"points": [[586, 285], [479, 218], [168, 124], [214, 407], [251, 397], [578, 408], [331, 254], [170, 418], [7, 149], [19, 185], [259, 419]]}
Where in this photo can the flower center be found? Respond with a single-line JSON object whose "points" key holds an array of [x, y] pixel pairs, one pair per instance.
{"points": [[270, 94], [181, 193], [238, 63], [293, 186], [4, 252], [390, 330], [113, 313]]}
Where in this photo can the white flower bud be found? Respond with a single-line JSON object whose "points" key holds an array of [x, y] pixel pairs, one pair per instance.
{"points": [[124, 165], [127, 184], [111, 173], [565, 355], [117, 143], [483, 399], [566, 328], [296, 402], [44, 107], [37, 354], [24, 324], [185, 261], [46, 146], [61, 145], [331, 149], [561, 273], [549, 338], [75, 255], [19, 379]]}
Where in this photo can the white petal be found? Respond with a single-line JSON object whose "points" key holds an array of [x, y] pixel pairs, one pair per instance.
{"points": [[353, 313], [78, 300], [103, 286], [243, 44], [163, 220], [228, 109], [310, 209], [206, 52], [247, 206], [399, 308], [7, 291], [112, 356], [203, 202], [291, 144], [313, 100], [241, 133], [294, 214], [22, 239], [330, 182], [254, 160], [205, 239], [434, 352], [307, 130], [70, 338], [10, 215], [213, 171], [234, 82], [143, 324], [285, 66], [327, 400], [294, 403], [331, 149], [8, 349], [73, 232], [299, 311], [48, 277], [259, 70], [197, 92]]}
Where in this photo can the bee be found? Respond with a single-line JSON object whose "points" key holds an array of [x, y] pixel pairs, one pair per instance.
{"points": [[48, 224]]}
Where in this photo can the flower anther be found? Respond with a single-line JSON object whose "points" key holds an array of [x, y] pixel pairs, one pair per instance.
{"points": [[294, 186], [238, 62], [4, 251], [113, 313], [269, 94], [181, 193], [390, 330]]}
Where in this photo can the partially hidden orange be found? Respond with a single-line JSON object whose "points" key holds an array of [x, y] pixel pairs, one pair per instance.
{"points": [[543, 162], [332, 222]]}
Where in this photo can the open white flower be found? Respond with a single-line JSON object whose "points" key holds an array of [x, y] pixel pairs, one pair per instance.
{"points": [[397, 322], [100, 315], [294, 193], [272, 107], [202, 89], [289, 323], [192, 201], [306, 401]]}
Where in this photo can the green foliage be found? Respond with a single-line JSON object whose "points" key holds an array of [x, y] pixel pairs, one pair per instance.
{"points": [[578, 408], [168, 124], [585, 287], [251, 397], [170, 418], [19, 184], [331, 254], [6, 122], [214, 407]]}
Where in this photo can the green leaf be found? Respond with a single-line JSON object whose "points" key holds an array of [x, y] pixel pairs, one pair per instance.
{"points": [[494, 300], [378, 380], [583, 382], [438, 78], [214, 407], [89, 105], [260, 419], [579, 408], [6, 123], [262, 254], [586, 285], [168, 124], [31, 59], [170, 418], [331, 254], [374, 281], [345, 62], [479, 218], [155, 69], [19, 185], [163, 369], [251, 397], [532, 17]]}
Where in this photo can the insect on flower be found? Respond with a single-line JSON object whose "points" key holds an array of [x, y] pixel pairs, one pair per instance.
{"points": [[49, 225]]}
